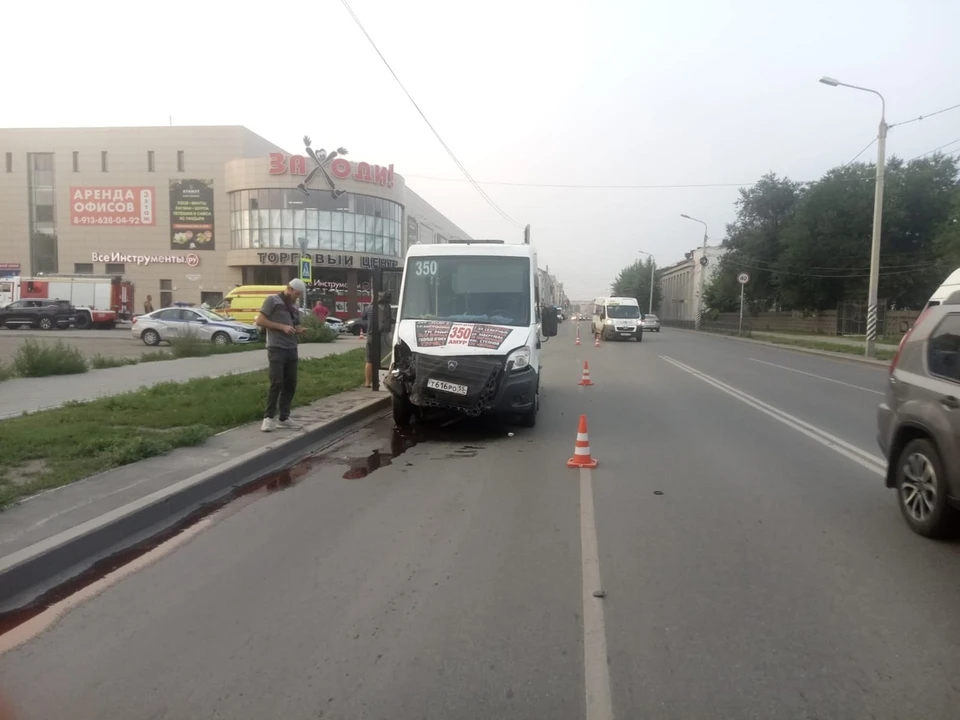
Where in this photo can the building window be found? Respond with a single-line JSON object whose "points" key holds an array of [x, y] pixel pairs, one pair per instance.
{"points": [[103, 161], [115, 269], [9, 159], [180, 161], [76, 161], [166, 293], [150, 162], [44, 213], [83, 268]]}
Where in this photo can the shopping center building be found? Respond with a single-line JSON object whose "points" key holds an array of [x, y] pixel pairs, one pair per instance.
{"points": [[188, 213]]}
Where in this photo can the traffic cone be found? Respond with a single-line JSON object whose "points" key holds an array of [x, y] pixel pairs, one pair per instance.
{"points": [[596, 341], [585, 380], [581, 453], [578, 333], [361, 332]]}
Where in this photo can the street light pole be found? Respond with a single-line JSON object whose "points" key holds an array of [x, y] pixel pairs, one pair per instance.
{"points": [[871, 343], [653, 267], [703, 269]]}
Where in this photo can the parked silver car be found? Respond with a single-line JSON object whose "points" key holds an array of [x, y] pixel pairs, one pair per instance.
{"points": [[919, 422], [180, 322], [651, 322]]}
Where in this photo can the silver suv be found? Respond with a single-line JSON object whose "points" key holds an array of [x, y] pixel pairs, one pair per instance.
{"points": [[919, 421]]}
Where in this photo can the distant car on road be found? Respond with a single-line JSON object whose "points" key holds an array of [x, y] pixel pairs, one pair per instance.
{"points": [[42, 314], [919, 421], [180, 322], [336, 324], [651, 322]]}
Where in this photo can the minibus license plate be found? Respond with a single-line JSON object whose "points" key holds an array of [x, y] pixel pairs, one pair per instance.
{"points": [[447, 387]]}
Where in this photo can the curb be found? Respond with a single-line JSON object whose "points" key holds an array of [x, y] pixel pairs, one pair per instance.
{"points": [[809, 351], [29, 573]]}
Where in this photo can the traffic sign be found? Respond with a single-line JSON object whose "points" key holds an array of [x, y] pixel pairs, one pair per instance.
{"points": [[743, 278], [306, 270]]}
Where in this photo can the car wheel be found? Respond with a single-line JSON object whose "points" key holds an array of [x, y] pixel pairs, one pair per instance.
{"points": [[45, 323], [150, 337], [639, 337], [83, 321], [529, 418], [922, 490], [356, 330], [221, 338], [402, 410]]}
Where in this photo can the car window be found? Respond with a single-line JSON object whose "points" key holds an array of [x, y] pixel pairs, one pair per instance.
{"points": [[17, 305], [168, 315], [943, 349]]}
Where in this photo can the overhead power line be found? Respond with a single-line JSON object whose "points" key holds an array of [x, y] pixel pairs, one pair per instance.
{"points": [[427, 121], [574, 185], [930, 152], [924, 117], [869, 145], [829, 277]]}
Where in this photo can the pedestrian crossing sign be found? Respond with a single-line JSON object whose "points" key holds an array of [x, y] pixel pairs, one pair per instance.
{"points": [[306, 270]]}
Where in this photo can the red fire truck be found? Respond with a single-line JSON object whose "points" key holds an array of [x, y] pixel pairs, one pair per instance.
{"points": [[100, 300]]}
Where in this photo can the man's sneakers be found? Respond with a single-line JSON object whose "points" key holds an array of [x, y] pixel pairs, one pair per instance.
{"points": [[269, 425]]}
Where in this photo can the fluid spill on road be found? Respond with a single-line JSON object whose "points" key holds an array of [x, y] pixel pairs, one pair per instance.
{"points": [[469, 434], [18, 626]]}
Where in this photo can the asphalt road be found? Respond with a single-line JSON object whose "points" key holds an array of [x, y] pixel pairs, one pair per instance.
{"points": [[753, 566]]}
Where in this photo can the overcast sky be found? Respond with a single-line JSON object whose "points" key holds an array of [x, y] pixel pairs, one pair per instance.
{"points": [[588, 92]]}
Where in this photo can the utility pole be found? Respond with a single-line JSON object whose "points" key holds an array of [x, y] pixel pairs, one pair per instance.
{"points": [[870, 348]]}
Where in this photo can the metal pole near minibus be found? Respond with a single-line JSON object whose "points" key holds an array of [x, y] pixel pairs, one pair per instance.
{"points": [[653, 267], [743, 278]]}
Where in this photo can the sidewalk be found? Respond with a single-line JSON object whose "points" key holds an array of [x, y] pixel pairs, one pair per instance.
{"points": [[32, 394], [830, 339], [42, 518]]}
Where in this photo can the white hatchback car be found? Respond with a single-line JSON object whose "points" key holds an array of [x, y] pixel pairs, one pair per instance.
{"points": [[179, 322]]}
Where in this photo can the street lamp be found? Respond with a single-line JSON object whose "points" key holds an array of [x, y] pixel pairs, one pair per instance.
{"points": [[703, 268], [870, 348], [653, 265]]}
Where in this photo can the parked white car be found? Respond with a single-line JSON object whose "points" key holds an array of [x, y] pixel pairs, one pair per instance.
{"points": [[178, 322], [337, 324]]}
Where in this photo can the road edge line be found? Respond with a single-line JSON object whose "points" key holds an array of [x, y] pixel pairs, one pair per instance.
{"points": [[28, 573], [596, 672], [796, 348]]}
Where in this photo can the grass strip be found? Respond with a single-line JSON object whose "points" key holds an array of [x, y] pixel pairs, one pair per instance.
{"points": [[56, 447], [883, 353]]}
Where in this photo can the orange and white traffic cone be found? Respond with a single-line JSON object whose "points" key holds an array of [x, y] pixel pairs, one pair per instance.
{"points": [[578, 334], [361, 332], [581, 453], [585, 380], [596, 340]]}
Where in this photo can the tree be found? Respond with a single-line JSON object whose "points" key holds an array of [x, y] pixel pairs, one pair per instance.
{"points": [[634, 281], [825, 249], [753, 244], [946, 239]]}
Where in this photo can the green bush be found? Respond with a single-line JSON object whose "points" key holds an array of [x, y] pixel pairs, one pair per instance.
{"points": [[6, 372], [190, 344], [155, 356], [37, 359], [316, 330], [102, 362]]}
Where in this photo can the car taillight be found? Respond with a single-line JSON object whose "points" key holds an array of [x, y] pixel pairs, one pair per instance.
{"points": [[903, 340], [133, 321]]}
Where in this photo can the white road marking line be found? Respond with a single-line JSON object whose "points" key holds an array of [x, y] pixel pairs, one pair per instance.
{"points": [[863, 458], [596, 673], [818, 377]]}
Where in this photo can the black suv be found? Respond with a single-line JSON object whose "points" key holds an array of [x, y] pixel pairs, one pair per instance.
{"points": [[43, 314]]}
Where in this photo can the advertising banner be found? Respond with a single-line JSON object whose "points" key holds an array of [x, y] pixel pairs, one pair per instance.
{"points": [[116, 206], [191, 215]]}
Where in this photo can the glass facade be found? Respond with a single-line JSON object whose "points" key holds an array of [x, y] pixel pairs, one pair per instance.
{"points": [[280, 218], [43, 214]]}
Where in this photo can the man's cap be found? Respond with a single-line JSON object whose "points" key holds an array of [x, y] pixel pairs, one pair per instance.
{"points": [[297, 285]]}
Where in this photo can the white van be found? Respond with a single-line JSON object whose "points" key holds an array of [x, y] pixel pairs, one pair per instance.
{"points": [[950, 285], [469, 331], [617, 318]]}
